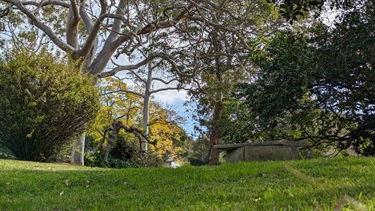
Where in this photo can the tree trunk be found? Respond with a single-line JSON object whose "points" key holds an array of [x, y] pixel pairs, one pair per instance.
{"points": [[78, 151], [110, 143], [146, 105], [78, 157], [145, 120], [213, 156]]}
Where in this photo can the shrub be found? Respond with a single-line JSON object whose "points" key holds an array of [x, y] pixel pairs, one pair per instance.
{"points": [[123, 154], [45, 103]]}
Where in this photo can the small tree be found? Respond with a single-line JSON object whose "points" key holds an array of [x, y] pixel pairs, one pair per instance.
{"points": [[44, 104]]}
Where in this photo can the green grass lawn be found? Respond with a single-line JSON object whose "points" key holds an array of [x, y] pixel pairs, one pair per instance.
{"points": [[321, 184]]}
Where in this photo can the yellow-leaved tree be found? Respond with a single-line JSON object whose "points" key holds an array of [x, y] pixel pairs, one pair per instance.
{"points": [[164, 126], [123, 110]]}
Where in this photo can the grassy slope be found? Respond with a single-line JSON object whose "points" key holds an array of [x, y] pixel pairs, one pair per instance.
{"points": [[347, 183]]}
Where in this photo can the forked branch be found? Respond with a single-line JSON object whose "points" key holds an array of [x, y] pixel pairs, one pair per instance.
{"points": [[113, 133]]}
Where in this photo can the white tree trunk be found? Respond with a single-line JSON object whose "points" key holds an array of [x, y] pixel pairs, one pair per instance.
{"points": [[78, 150], [146, 105], [144, 144]]}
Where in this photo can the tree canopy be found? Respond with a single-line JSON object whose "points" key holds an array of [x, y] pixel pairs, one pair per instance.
{"points": [[326, 71], [301, 83], [124, 110], [94, 32]]}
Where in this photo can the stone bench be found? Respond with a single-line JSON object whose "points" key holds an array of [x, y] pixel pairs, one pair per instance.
{"points": [[260, 151]]}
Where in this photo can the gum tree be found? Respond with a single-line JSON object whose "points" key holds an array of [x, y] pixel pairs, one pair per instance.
{"points": [[93, 32]]}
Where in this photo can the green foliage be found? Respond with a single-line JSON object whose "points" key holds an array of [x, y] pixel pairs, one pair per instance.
{"points": [[293, 10], [319, 184], [283, 70], [235, 126], [320, 81], [44, 104], [96, 160], [199, 152], [123, 154], [163, 126]]}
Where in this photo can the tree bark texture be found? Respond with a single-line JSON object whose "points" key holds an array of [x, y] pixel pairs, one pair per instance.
{"points": [[146, 108], [213, 157]]}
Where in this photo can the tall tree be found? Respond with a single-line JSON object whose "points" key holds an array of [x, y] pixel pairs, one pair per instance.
{"points": [[120, 26], [145, 78], [224, 62], [333, 68], [122, 110]]}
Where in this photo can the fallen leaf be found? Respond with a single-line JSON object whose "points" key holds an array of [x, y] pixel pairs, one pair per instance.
{"points": [[61, 193]]}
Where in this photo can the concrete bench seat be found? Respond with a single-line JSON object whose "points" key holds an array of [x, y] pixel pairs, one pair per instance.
{"points": [[260, 151]]}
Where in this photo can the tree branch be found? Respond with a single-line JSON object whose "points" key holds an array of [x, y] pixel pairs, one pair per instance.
{"points": [[127, 67], [137, 132], [164, 89], [46, 3], [126, 91], [62, 45], [89, 26], [165, 82], [137, 76], [72, 27], [4, 12], [95, 30], [112, 43]]}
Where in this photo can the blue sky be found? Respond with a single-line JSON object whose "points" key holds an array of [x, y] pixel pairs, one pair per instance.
{"points": [[169, 98], [176, 99]]}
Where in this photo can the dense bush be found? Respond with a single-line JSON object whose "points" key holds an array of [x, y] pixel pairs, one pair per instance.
{"points": [[199, 152], [318, 83], [123, 154], [45, 103]]}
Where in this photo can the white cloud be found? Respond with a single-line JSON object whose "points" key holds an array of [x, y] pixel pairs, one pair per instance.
{"points": [[171, 96]]}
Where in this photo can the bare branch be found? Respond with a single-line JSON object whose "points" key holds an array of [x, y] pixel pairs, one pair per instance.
{"points": [[164, 89], [62, 45], [89, 26], [137, 132], [165, 24], [137, 76], [115, 31], [95, 30], [165, 82], [4, 12], [46, 3], [74, 8], [128, 67], [125, 91], [114, 40], [72, 26]]}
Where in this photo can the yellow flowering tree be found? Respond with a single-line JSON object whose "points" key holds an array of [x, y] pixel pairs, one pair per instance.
{"points": [[125, 108]]}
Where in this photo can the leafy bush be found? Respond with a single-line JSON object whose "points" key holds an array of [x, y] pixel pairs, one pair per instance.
{"points": [[121, 156], [45, 103], [199, 154]]}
